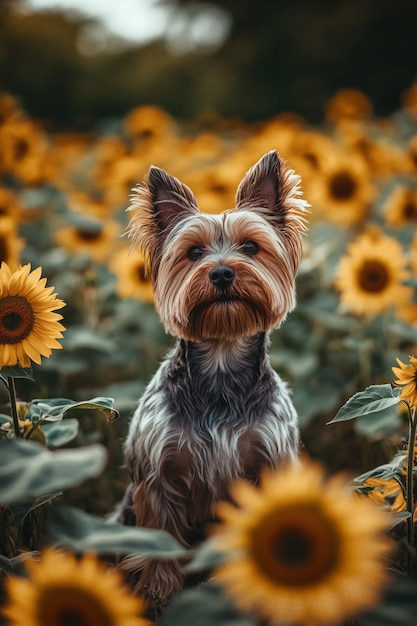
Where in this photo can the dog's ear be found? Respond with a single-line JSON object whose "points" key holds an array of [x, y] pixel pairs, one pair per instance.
{"points": [[156, 207], [262, 187], [171, 200], [273, 190]]}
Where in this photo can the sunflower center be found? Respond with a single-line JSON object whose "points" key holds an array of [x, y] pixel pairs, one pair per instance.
{"points": [[21, 148], [373, 276], [410, 211], [16, 319], [311, 158], [296, 546], [88, 234], [146, 133], [72, 607], [293, 547], [141, 274], [342, 186], [219, 188]]}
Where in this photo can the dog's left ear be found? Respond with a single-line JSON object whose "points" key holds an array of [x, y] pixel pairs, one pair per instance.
{"points": [[272, 190], [260, 185]]}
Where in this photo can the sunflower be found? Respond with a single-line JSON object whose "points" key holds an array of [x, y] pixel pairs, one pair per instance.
{"points": [[148, 122], [125, 174], [29, 327], [370, 275], [62, 589], [133, 280], [401, 207], [9, 108], [203, 147], [10, 204], [310, 150], [215, 186], [383, 158], [407, 312], [348, 104], [301, 549], [92, 237], [88, 204], [342, 191], [25, 151], [386, 491], [407, 379]]}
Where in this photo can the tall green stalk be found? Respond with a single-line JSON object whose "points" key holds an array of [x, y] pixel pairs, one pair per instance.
{"points": [[12, 395], [410, 470]]}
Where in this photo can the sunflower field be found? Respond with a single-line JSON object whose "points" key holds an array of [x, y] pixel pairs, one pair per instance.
{"points": [[75, 358]]}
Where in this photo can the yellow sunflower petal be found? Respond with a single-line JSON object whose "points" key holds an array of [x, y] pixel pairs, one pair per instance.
{"points": [[310, 551], [62, 589], [29, 327]]}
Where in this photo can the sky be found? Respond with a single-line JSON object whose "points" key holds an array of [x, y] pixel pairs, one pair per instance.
{"points": [[141, 21], [135, 20]]}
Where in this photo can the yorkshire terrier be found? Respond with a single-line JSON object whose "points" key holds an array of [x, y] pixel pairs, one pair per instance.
{"points": [[215, 410]]}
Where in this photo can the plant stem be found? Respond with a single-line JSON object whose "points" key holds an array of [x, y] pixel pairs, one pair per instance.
{"points": [[12, 395], [410, 482]]}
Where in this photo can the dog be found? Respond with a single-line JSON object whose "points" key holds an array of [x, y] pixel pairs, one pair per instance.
{"points": [[215, 410]]}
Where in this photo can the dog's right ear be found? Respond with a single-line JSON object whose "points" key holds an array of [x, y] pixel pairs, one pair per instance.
{"points": [[157, 206], [171, 199]]}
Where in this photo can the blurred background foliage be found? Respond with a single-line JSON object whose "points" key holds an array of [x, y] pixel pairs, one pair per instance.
{"points": [[83, 115], [250, 60]]}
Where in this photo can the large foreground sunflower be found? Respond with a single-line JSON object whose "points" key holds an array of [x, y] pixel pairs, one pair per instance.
{"points": [[370, 276], [64, 591], [29, 328], [302, 549]]}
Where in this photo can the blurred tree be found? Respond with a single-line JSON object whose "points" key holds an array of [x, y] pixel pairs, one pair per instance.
{"points": [[294, 55], [40, 62], [278, 56]]}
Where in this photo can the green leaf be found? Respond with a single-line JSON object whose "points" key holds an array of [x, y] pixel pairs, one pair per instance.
{"points": [[83, 532], [20, 510], [372, 400], [393, 469], [379, 425], [205, 606], [28, 469], [399, 517], [53, 409], [17, 372], [58, 434], [82, 339]]}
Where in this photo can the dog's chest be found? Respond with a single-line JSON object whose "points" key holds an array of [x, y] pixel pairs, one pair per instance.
{"points": [[211, 431]]}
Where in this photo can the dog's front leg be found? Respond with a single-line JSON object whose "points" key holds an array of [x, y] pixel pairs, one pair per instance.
{"points": [[163, 508]]}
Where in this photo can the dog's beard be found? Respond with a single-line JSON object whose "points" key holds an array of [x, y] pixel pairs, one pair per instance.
{"points": [[229, 317]]}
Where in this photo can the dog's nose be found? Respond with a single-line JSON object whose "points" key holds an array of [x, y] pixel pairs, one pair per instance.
{"points": [[222, 276]]}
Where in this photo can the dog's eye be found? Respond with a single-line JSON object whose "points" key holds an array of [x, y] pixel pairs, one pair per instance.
{"points": [[195, 253], [250, 247]]}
